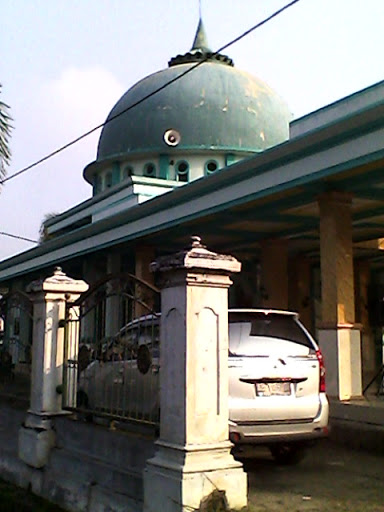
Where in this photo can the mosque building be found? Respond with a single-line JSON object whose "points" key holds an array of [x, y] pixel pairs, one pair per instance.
{"points": [[205, 115], [203, 148]]}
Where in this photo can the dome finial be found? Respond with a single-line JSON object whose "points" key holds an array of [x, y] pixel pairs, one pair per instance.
{"points": [[200, 42], [200, 51]]}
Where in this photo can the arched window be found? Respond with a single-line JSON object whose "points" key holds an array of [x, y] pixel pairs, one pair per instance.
{"points": [[211, 166], [108, 180], [182, 171], [150, 170], [97, 183], [127, 172]]}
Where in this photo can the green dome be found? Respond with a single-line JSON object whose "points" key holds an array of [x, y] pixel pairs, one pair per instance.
{"points": [[213, 107]]}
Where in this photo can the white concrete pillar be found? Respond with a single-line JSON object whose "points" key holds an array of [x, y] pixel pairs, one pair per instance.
{"points": [[193, 452], [339, 336], [49, 297]]}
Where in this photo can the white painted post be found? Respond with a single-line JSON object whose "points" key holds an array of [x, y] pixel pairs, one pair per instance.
{"points": [[341, 347], [49, 297], [193, 456]]}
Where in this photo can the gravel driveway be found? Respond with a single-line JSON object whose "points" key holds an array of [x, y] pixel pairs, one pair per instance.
{"points": [[331, 479]]}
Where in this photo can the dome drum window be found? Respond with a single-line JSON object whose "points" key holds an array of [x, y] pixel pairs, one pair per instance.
{"points": [[182, 171], [150, 170], [97, 183], [211, 166], [108, 180]]}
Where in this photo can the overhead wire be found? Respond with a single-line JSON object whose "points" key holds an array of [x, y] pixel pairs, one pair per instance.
{"points": [[130, 107], [149, 95], [18, 237]]}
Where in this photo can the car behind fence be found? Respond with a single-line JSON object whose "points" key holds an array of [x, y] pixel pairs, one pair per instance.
{"points": [[112, 351]]}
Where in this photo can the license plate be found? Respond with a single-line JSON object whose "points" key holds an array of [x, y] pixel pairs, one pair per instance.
{"points": [[273, 389]]}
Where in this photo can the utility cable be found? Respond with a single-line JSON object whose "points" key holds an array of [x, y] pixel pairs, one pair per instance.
{"points": [[167, 84], [19, 237]]}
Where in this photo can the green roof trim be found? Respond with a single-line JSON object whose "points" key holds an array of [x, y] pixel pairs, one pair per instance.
{"points": [[342, 101], [163, 166], [146, 217], [115, 173]]}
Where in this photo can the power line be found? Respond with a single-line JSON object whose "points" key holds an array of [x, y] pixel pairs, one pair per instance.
{"points": [[18, 237], [167, 84]]}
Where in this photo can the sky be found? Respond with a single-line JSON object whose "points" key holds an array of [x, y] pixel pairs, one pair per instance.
{"points": [[65, 63]]}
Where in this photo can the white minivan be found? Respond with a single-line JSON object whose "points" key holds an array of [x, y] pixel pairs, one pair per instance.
{"points": [[276, 384], [276, 380]]}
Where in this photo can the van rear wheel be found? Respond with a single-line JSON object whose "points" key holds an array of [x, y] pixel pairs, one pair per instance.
{"points": [[288, 454]]}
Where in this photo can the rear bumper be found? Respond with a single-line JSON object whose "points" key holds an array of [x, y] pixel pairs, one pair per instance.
{"points": [[293, 435], [252, 450], [267, 432]]}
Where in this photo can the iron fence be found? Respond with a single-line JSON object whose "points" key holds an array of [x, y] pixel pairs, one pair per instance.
{"points": [[16, 339], [111, 359]]}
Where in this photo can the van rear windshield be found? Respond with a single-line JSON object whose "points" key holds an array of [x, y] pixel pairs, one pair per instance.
{"points": [[260, 325]]}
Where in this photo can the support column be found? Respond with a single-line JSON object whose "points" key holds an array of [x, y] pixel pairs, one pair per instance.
{"points": [[274, 274], [368, 352], [36, 436], [339, 336], [193, 452], [300, 289], [91, 274], [144, 256], [112, 303]]}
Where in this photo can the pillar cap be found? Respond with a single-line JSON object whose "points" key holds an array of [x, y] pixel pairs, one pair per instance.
{"points": [[59, 282], [197, 257]]}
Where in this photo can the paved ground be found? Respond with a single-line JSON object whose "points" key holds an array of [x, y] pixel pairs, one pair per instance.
{"points": [[331, 479], [14, 499]]}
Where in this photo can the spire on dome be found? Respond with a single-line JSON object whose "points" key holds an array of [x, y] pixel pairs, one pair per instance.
{"points": [[201, 42], [200, 50]]}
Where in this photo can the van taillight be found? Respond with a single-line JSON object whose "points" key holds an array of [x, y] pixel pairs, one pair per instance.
{"points": [[322, 371], [234, 437]]}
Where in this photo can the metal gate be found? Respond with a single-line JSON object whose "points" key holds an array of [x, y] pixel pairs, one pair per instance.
{"points": [[111, 359], [16, 312]]}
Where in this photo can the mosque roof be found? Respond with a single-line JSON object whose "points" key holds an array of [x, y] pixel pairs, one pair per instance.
{"points": [[209, 105]]}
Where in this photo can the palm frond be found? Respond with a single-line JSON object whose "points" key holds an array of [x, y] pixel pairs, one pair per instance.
{"points": [[43, 231], [5, 133]]}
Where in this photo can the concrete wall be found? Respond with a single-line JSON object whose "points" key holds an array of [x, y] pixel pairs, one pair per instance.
{"points": [[92, 468]]}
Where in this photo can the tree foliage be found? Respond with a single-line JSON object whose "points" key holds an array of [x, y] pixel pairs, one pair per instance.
{"points": [[5, 133], [43, 232]]}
